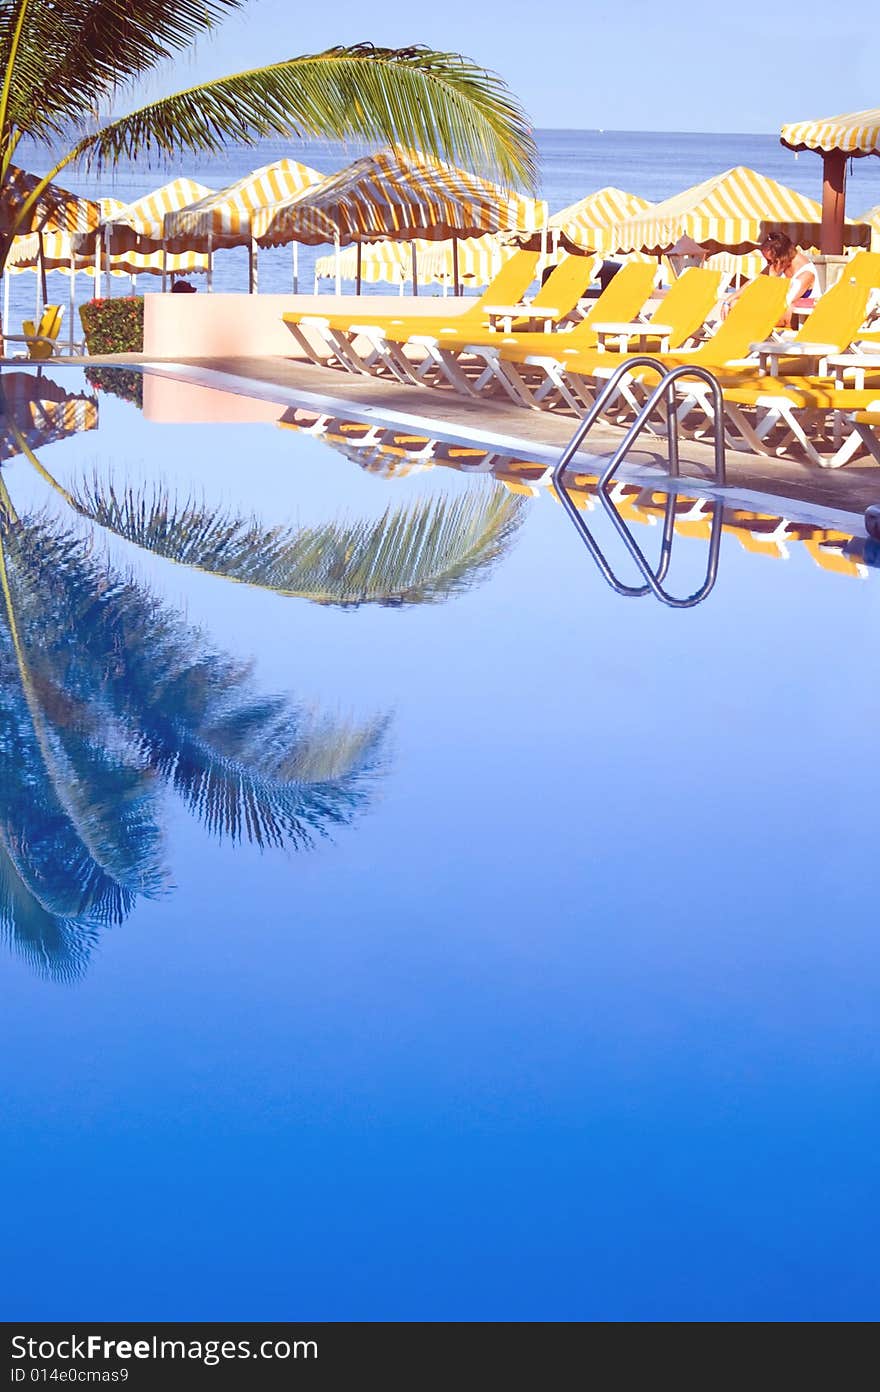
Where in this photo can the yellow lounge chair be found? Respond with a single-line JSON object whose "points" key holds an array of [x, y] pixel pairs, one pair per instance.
{"points": [[41, 338], [620, 301], [864, 269], [831, 326], [561, 291], [779, 402], [507, 287], [564, 287], [574, 376], [827, 423]]}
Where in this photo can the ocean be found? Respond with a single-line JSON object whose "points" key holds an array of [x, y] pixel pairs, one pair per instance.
{"points": [[653, 164]]}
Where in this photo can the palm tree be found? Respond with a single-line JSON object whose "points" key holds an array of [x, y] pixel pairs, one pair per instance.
{"points": [[66, 62]]}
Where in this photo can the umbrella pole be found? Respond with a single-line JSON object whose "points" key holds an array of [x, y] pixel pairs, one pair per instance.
{"points": [[72, 270], [107, 262], [253, 269], [210, 262], [296, 268], [98, 285], [336, 268], [456, 286], [360, 247], [43, 286], [164, 268], [833, 202], [415, 270]]}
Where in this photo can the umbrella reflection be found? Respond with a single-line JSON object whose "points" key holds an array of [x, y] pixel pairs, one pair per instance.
{"points": [[36, 410]]}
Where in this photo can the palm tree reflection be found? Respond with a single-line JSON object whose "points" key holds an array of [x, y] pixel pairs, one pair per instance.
{"points": [[104, 695], [108, 696]]}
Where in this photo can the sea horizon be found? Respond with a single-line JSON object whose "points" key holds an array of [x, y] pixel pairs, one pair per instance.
{"points": [[653, 164]]}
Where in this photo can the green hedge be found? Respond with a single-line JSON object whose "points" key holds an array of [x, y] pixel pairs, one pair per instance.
{"points": [[114, 326]]}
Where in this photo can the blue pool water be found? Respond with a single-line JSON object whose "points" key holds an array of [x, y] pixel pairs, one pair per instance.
{"points": [[570, 1014]]}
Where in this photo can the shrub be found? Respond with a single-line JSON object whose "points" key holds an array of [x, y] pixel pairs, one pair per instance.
{"points": [[114, 326]]}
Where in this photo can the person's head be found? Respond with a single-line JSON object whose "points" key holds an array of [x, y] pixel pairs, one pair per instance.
{"points": [[778, 250], [182, 287]]}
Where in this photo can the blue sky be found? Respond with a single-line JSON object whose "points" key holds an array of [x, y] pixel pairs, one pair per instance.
{"points": [[744, 67]]}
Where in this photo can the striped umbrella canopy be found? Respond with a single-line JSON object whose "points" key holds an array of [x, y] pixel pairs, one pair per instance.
{"points": [[387, 262], [400, 194], [581, 226], [41, 412], [855, 135], [746, 266], [140, 226], [732, 211], [57, 247], [479, 259], [872, 218], [836, 139], [225, 217], [577, 226], [55, 208], [26, 257]]}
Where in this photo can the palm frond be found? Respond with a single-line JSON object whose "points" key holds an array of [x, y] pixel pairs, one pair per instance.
{"points": [[74, 52], [412, 555], [441, 103]]}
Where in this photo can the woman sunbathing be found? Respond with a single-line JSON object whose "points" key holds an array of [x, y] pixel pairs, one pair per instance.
{"points": [[783, 258]]}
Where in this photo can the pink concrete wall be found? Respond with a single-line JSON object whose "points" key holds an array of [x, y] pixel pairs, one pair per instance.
{"points": [[245, 326], [185, 403]]}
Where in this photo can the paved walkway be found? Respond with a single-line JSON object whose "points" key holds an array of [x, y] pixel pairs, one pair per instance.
{"points": [[528, 434]]}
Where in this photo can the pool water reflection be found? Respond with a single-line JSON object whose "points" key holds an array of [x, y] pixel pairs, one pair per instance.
{"points": [[414, 928]]}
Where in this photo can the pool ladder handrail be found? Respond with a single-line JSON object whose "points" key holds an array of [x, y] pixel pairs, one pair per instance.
{"points": [[664, 389]]}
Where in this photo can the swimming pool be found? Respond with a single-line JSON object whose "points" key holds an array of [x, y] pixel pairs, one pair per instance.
{"points": [[416, 928]]}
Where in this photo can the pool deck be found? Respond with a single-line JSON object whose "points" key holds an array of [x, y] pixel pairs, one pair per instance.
{"points": [[506, 428]]}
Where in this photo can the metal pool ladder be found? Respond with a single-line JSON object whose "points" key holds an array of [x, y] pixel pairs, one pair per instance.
{"points": [[664, 391]]}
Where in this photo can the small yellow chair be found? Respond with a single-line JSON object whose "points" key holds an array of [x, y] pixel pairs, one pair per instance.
{"points": [[40, 339]]}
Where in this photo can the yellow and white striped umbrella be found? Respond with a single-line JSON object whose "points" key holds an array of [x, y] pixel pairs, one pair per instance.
{"points": [[856, 134], [732, 211], [387, 262], [55, 208], [746, 266], [872, 218], [225, 217], [135, 225], [479, 259], [400, 194], [579, 227], [24, 254]]}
